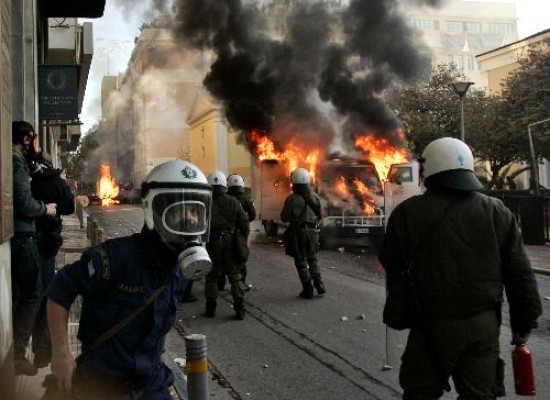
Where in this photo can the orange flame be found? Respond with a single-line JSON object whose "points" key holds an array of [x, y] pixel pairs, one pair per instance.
{"points": [[343, 192], [367, 196], [292, 156], [341, 188], [107, 188], [381, 153]]}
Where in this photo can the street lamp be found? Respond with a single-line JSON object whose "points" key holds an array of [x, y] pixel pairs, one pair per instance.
{"points": [[461, 88], [534, 164]]}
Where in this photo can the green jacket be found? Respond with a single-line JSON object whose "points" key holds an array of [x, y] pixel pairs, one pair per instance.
{"points": [[303, 213], [227, 215], [293, 209], [474, 253]]}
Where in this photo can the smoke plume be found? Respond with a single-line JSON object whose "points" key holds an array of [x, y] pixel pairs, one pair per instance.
{"points": [[326, 76]]}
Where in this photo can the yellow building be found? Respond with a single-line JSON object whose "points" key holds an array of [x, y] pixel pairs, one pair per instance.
{"points": [[213, 144], [495, 66], [160, 111]]}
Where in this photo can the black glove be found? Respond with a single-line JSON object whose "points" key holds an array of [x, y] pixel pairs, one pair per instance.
{"points": [[519, 339]]}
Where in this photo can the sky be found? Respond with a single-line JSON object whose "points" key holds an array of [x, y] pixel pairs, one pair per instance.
{"points": [[114, 35]]}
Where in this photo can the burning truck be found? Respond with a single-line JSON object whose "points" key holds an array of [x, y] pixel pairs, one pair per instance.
{"points": [[354, 200], [352, 195]]}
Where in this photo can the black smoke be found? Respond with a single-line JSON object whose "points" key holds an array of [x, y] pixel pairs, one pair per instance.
{"points": [[305, 86]]}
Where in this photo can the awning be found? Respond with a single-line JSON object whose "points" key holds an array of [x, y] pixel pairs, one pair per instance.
{"points": [[72, 8]]}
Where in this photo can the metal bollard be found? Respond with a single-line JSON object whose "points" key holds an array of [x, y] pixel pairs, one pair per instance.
{"points": [[100, 236], [196, 367], [93, 233]]}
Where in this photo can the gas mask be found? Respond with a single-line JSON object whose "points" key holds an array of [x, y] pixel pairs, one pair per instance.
{"points": [[176, 202]]}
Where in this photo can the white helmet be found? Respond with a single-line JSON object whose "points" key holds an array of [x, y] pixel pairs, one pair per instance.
{"points": [[299, 176], [176, 202], [449, 162], [217, 178], [235, 181]]}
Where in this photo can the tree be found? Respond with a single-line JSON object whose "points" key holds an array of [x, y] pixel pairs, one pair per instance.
{"points": [[431, 110], [493, 138], [526, 92]]}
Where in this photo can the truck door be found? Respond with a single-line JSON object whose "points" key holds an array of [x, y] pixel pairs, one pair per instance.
{"points": [[403, 182]]}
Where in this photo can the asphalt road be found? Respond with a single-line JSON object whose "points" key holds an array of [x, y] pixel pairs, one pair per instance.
{"points": [[331, 347]]}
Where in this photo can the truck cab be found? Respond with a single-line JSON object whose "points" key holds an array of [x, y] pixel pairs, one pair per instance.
{"points": [[352, 203], [355, 203], [403, 181]]}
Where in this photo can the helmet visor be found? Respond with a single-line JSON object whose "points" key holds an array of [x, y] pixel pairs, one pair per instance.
{"points": [[186, 217], [181, 213]]}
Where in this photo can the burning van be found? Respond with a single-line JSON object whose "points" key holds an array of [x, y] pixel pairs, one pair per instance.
{"points": [[351, 194]]}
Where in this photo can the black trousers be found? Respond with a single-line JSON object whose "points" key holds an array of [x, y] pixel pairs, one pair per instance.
{"points": [[26, 290]]}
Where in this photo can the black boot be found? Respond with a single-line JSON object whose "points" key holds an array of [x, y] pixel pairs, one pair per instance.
{"points": [[210, 307], [318, 283], [240, 311], [307, 292]]}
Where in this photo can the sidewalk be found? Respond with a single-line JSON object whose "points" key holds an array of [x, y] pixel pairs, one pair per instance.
{"points": [[75, 241], [540, 258]]}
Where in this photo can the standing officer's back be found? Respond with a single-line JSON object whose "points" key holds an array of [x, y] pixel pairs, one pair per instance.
{"points": [[463, 249], [228, 220]]}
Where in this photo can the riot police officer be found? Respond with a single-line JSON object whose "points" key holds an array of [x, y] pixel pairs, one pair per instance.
{"points": [[49, 185], [25, 257], [235, 188], [141, 275], [302, 209], [460, 250], [228, 220]]}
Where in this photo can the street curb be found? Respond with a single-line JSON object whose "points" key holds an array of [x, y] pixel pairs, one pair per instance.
{"points": [[542, 271]]}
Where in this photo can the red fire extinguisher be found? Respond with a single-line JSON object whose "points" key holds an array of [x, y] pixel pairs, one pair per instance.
{"points": [[524, 377]]}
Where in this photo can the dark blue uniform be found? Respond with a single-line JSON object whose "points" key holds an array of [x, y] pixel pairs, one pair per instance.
{"points": [[114, 279]]}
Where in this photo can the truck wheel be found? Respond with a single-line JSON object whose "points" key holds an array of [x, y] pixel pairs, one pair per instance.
{"points": [[271, 228]]}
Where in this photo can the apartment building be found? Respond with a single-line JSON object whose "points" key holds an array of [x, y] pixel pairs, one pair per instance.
{"points": [[459, 30]]}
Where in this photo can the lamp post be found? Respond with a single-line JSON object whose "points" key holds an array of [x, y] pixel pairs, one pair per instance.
{"points": [[461, 88], [534, 164]]}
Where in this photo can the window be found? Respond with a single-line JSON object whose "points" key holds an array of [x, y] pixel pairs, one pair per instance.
{"points": [[453, 26], [460, 63], [425, 24], [500, 27], [472, 27], [471, 65]]}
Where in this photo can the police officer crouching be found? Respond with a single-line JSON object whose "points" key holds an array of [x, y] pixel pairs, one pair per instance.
{"points": [[228, 220], [138, 277]]}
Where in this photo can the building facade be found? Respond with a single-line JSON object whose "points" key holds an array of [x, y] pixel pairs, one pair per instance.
{"points": [[34, 35], [495, 66], [458, 30]]}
